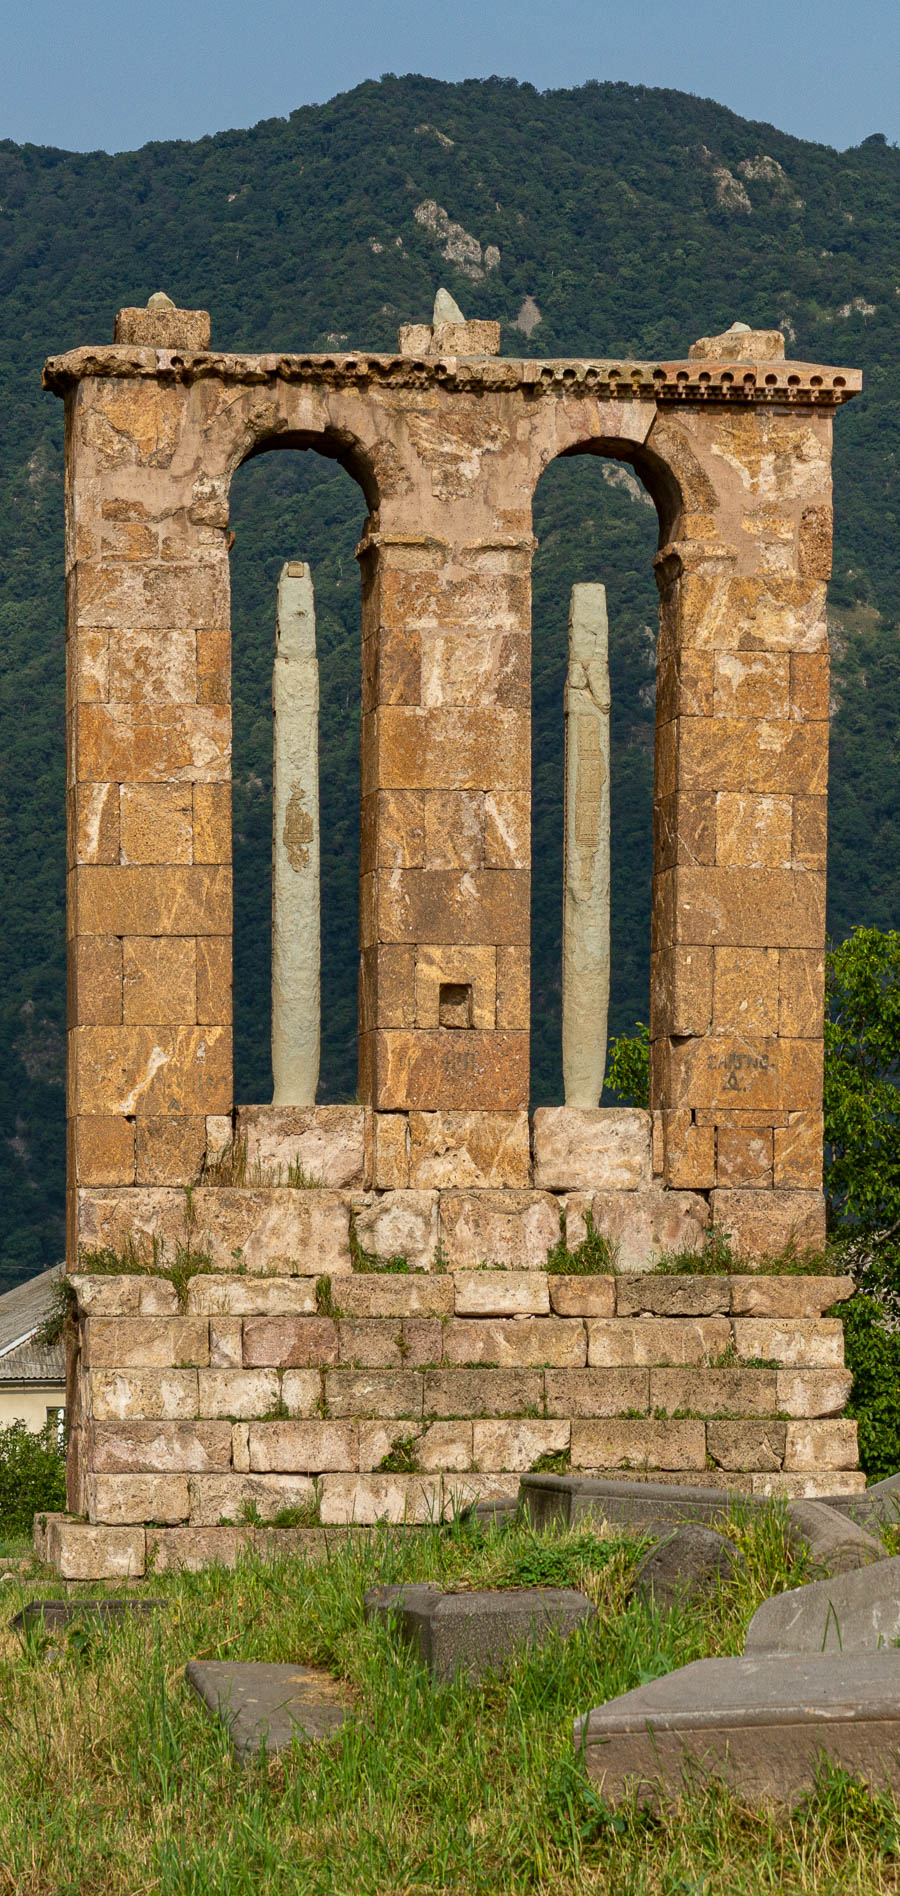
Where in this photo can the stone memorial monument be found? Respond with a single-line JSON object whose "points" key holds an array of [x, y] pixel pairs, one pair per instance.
{"points": [[281, 1376]]}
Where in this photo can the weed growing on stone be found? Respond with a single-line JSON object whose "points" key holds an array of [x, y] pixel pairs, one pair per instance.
{"points": [[325, 1304], [717, 1257], [113, 1778], [596, 1255], [300, 1180], [234, 1167], [402, 1457], [178, 1267], [366, 1261], [554, 1462]]}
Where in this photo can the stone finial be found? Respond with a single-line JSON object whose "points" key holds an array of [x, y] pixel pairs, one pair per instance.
{"points": [[162, 325], [446, 309], [740, 343]]}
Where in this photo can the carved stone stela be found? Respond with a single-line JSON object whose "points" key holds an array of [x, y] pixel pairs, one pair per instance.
{"points": [[439, 1163]]}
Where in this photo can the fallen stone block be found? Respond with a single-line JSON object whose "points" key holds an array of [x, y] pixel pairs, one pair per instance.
{"points": [[836, 1543], [688, 1565], [53, 1616], [494, 1511], [473, 1633], [878, 1503], [268, 1705], [760, 1725], [849, 1612], [644, 1506]]}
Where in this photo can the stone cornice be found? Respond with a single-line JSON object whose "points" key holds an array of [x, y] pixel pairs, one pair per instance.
{"points": [[737, 383]]}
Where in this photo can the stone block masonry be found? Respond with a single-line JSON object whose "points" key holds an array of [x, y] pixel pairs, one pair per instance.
{"points": [[402, 1404], [438, 1164]]}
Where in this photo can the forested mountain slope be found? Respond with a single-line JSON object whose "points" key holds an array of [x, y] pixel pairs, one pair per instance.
{"points": [[610, 220]]}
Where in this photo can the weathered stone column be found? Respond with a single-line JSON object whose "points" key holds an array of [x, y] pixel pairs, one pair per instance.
{"points": [[585, 943], [295, 842]]}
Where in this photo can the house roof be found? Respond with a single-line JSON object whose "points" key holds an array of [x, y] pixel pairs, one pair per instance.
{"points": [[22, 1311]]}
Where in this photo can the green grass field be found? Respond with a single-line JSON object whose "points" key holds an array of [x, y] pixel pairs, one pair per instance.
{"points": [[113, 1779]]}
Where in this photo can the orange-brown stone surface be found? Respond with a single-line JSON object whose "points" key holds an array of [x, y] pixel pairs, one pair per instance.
{"points": [[448, 443]]}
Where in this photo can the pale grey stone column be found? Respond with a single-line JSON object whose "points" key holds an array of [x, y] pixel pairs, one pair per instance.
{"points": [[585, 952], [295, 842]]}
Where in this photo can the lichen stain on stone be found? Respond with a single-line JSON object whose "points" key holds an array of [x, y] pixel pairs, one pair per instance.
{"points": [[298, 829]]}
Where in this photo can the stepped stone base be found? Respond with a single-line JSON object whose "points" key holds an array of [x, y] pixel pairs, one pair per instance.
{"points": [[262, 1402]]}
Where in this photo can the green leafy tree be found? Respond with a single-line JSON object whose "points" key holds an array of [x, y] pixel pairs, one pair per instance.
{"points": [[862, 1101], [873, 1353]]}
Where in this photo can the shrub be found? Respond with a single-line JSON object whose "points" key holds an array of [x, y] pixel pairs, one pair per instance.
{"points": [[32, 1476], [628, 1072]]}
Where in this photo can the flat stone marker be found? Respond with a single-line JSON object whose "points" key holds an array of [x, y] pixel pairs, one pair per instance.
{"points": [[688, 1565], [836, 1544], [570, 1500], [473, 1633], [55, 1615], [268, 1704], [758, 1724], [849, 1612]]}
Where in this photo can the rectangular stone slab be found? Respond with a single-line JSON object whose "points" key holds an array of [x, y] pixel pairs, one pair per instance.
{"points": [[55, 1615], [850, 1612], [473, 1633], [268, 1705], [759, 1724], [641, 1505]]}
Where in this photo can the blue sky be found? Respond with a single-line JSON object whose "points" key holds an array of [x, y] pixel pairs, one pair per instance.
{"points": [[113, 74]]}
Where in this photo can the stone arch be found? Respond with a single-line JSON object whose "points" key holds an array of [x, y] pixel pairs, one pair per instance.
{"points": [[576, 428], [447, 440], [251, 428]]}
